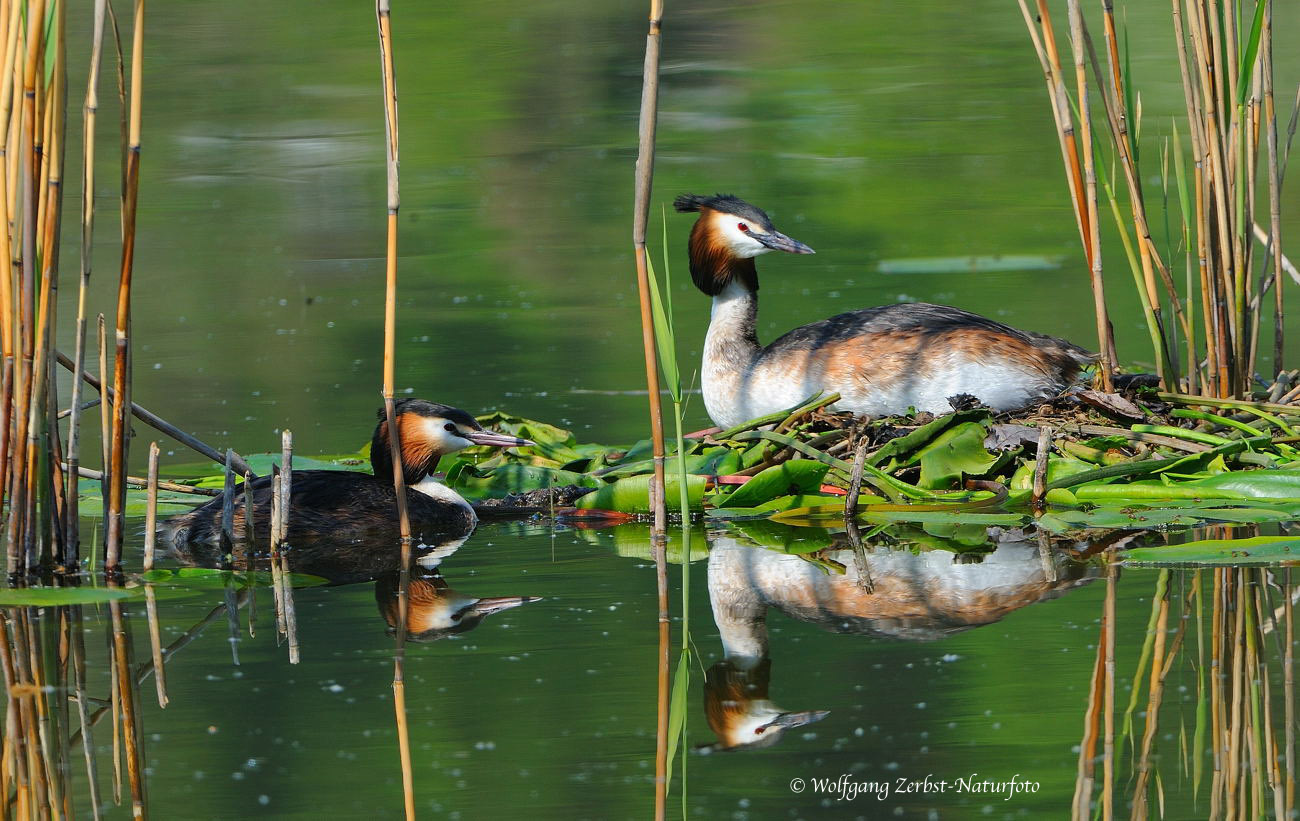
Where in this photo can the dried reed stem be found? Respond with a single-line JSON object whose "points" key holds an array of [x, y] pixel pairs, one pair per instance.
{"points": [[286, 505], [277, 585], [1108, 694], [137, 482], [122, 350], [105, 415], [151, 508], [250, 546], [228, 506], [89, 111]]}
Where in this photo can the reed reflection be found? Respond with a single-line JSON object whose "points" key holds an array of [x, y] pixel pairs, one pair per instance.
{"points": [[50, 712], [1212, 695]]}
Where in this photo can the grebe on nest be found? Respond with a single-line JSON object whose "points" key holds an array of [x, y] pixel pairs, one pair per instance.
{"points": [[882, 361], [341, 506]]}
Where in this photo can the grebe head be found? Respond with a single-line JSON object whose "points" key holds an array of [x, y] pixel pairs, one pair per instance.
{"points": [[428, 431], [729, 233]]}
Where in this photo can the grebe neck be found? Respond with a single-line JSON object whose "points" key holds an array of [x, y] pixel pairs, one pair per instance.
{"points": [[417, 462], [730, 348]]}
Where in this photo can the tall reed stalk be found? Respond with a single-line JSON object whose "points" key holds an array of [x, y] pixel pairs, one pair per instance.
{"points": [[89, 112], [666, 340], [1226, 67], [122, 350], [383, 18], [640, 220]]}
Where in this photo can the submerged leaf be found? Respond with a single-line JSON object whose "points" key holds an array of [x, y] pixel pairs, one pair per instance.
{"points": [[783, 537], [55, 596], [204, 578], [632, 541]]}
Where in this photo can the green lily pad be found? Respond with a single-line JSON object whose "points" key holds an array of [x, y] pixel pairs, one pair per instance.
{"points": [[91, 505], [944, 517], [778, 505]]}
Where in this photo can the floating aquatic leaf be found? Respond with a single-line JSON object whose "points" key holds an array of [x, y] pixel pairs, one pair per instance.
{"points": [[905, 444], [1238, 484], [1058, 467], [262, 463], [476, 483], [800, 475], [1255, 550], [942, 516], [631, 540], [955, 453], [539, 432], [55, 596], [798, 502], [90, 503], [958, 535], [712, 461]]}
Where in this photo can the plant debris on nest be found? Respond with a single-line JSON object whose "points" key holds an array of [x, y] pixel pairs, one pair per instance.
{"points": [[1134, 459], [1112, 456]]}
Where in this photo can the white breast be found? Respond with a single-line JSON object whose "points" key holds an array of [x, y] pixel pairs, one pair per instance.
{"points": [[437, 490]]}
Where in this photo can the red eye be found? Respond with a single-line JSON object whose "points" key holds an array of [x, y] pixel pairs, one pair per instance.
{"points": [[742, 226]]}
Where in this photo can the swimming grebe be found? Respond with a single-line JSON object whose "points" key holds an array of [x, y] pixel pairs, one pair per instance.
{"points": [[882, 361], [340, 505]]}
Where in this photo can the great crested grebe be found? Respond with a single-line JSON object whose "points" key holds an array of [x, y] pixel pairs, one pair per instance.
{"points": [[341, 505], [882, 361]]}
